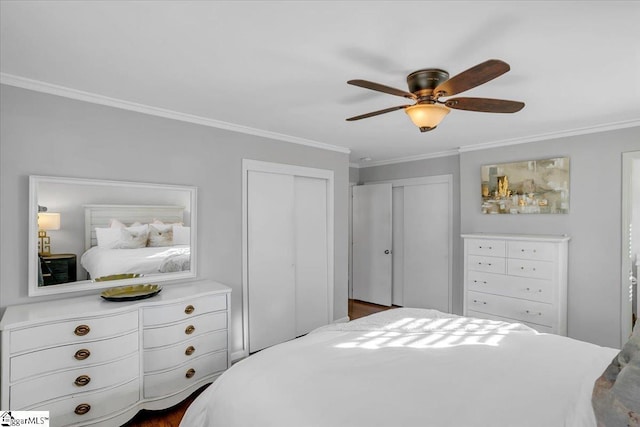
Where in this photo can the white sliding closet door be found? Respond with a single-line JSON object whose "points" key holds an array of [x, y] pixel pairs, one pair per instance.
{"points": [[270, 257], [398, 246], [288, 252], [311, 264], [426, 239]]}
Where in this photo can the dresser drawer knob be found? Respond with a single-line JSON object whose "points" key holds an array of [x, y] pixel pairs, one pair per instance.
{"points": [[82, 408], [190, 373], [190, 350], [82, 354], [82, 380], [189, 309], [82, 330], [189, 329]]}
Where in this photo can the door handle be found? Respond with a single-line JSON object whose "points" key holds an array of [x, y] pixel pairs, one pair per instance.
{"points": [[387, 251]]}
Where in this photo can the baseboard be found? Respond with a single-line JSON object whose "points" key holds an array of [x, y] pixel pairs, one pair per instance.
{"points": [[344, 319]]}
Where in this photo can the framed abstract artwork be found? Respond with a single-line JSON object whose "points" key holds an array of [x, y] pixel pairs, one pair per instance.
{"points": [[527, 187]]}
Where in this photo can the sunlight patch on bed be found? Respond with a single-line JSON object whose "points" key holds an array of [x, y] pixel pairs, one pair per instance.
{"points": [[422, 333], [170, 252]]}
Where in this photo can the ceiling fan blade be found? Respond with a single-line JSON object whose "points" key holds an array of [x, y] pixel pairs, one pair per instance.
{"points": [[474, 76], [485, 105], [381, 88], [376, 113]]}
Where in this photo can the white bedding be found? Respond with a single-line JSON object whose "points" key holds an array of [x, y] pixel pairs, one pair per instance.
{"points": [[409, 367], [101, 262]]}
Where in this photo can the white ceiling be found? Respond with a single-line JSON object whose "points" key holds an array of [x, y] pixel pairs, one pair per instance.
{"points": [[280, 68]]}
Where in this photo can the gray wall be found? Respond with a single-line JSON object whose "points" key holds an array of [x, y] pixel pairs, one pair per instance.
{"points": [[593, 222], [430, 167], [49, 135], [354, 175]]}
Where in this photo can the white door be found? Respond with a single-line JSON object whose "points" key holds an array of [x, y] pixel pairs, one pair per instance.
{"points": [[270, 259], [311, 271], [397, 279], [426, 264], [372, 243]]}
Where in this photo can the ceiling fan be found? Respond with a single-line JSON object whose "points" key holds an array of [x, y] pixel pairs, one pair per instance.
{"points": [[427, 86]]}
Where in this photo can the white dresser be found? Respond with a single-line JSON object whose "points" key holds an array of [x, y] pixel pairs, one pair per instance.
{"points": [[89, 361], [517, 277]]}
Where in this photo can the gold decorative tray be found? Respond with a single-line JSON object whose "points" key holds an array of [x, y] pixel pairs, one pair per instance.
{"points": [[131, 292]]}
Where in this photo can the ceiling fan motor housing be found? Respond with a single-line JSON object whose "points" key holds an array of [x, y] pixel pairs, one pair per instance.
{"points": [[422, 82]]}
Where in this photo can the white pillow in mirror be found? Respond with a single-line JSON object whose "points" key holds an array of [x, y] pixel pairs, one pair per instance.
{"points": [[160, 235], [114, 223], [132, 237], [107, 237], [181, 235]]}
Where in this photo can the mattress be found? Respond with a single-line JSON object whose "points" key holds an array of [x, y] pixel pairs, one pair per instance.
{"points": [[409, 367]]}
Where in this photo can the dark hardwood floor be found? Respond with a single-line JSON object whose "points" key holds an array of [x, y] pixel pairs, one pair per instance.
{"points": [[171, 417]]}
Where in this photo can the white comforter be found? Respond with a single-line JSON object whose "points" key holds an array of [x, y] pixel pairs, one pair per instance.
{"points": [[101, 262], [409, 367]]}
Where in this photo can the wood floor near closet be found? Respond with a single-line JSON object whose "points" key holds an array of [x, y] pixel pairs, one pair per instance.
{"points": [[171, 417]]}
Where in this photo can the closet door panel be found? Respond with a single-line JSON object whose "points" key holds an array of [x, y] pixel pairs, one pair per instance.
{"points": [[311, 273], [271, 270], [426, 246], [398, 246]]}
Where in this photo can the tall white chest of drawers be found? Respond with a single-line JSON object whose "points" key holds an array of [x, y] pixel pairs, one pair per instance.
{"points": [[518, 278], [93, 362]]}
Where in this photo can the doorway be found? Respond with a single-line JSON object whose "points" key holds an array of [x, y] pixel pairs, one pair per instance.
{"points": [[630, 303], [402, 242]]}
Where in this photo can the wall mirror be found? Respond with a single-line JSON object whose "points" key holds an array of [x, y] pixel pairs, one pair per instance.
{"points": [[87, 234]]}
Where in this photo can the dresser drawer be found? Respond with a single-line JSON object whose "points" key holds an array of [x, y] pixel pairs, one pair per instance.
{"points": [[521, 287], [175, 380], [541, 251], [512, 308], [486, 264], [165, 358], [96, 404], [527, 268], [31, 392], [159, 315], [72, 356], [182, 331], [73, 331], [539, 328], [486, 247]]}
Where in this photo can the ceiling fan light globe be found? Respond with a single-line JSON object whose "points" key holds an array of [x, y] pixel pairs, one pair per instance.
{"points": [[426, 116]]}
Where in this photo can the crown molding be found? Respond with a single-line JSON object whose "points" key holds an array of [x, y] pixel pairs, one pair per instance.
{"points": [[552, 135], [355, 165], [507, 142], [411, 158], [94, 98]]}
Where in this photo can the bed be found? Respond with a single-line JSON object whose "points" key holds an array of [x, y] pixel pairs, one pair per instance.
{"points": [[172, 254], [410, 367]]}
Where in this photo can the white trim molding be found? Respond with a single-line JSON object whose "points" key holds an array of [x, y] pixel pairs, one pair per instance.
{"points": [[553, 135], [630, 160], [94, 98]]}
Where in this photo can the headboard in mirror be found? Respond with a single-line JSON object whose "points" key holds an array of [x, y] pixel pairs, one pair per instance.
{"points": [[108, 233]]}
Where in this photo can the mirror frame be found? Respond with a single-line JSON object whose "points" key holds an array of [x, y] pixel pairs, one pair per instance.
{"points": [[89, 285]]}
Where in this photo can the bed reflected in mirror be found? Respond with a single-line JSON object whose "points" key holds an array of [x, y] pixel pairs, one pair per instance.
{"points": [[91, 234]]}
